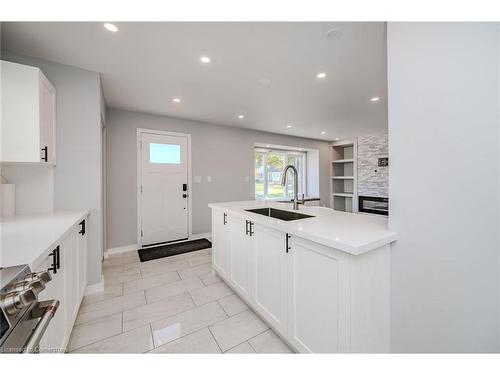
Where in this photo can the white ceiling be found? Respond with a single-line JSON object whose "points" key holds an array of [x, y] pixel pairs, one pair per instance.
{"points": [[145, 65]]}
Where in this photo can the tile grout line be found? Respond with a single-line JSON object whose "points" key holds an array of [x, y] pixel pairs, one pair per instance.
{"points": [[213, 336], [178, 338]]}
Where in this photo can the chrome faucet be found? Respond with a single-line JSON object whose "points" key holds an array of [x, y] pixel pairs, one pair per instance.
{"points": [[295, 185]]}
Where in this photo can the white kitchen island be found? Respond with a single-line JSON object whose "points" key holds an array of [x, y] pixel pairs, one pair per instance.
{"points": [[322, 283]]}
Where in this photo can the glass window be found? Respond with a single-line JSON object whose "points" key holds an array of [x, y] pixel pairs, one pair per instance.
{"points": [[269, 165], [161, 153]]}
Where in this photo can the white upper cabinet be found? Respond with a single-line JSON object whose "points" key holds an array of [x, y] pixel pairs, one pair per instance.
{"points": [[28, 115]]}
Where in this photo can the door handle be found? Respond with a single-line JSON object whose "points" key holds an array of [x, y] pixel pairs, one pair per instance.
{"points": [[225, 218], [251, 228], [286, 245]]}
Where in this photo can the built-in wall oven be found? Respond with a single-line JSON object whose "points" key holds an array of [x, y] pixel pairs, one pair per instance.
{"points": [[23, 318], [373, 205]]}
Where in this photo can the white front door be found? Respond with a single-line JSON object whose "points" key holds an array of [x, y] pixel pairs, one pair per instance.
{"points": [[164, 192]]}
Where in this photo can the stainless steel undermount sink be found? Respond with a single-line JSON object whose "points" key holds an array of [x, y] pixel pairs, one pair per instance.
{"points": [[279, 214]]}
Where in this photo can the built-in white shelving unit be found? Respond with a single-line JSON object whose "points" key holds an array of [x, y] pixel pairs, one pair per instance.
{"points": [[344, 176]]}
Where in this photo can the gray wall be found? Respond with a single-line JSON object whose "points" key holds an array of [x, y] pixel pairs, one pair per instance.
{"points": [[77, 175], [444, 186], [225, 153], [373, 181]]}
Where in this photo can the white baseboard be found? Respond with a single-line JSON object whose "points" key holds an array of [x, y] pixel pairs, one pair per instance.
{"points": [[95, 288], [208, 236], [121, 249]]}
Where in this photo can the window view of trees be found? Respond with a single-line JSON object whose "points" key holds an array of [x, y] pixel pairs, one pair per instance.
{"points": [[269, 165]]}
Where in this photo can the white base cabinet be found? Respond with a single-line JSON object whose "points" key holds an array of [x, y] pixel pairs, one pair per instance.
{"points": [[67, 265], [319, 299], [270, 270], [318, 280], [241, 248], [220, 243]]}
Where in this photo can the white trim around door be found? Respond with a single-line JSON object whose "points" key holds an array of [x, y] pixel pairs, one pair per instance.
{"points": [[141, 131]]}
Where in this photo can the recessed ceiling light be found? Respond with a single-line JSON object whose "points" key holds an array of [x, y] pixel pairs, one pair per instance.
{"points": [[337, 139], [333, 34], [289, 126], [268, 146], [205, 59], [323, 132], [321, 75], [241, 116], [111, 27], [375, 99], [176, 100]]}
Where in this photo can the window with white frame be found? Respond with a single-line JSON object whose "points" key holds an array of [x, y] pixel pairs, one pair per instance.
{"points": [[269, 165]]}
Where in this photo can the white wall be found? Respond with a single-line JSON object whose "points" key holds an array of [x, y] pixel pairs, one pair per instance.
{"points": [[444, 186], [77, 176], [224, 153], [34, 188]]}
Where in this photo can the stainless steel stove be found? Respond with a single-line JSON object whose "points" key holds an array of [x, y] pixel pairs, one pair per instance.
{"points": [[23, 319]]}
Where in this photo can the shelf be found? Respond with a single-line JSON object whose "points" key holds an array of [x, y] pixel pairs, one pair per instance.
{"points": [[346, 195], [340, 161], [343, 177]]}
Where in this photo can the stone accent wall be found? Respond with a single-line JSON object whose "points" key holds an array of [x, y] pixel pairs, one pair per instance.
{"points": [[373, 180]]}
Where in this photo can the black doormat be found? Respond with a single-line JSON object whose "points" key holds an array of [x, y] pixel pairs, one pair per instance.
{"points": [[173, 249]]}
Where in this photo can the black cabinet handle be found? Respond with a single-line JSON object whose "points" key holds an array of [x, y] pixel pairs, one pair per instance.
{"points": [[56, 260], [287, 246], [58, 252], [251, 228], [246, 227], [82, 230], [45, 157], [225, 218]]}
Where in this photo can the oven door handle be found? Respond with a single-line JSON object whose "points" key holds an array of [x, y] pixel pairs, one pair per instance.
{"points": [[47, 310]]}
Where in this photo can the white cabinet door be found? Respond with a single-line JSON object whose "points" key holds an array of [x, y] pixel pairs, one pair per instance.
{"points": [[241, 244], [82, 259], [47, 121], [54, 338], [271, 294], [319, 298], [70, 266], [28, 115], [220, 243]]}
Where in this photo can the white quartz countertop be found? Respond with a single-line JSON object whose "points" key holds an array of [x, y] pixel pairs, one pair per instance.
{"points": [[353, 233], [27, 238]]}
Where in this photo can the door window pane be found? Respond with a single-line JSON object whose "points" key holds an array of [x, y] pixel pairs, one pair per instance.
{"points": [[161, 153]]}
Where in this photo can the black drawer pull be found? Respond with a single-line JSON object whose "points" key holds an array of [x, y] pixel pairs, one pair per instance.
{"points": [[45, 156], [56, 260], [82, 230]]}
